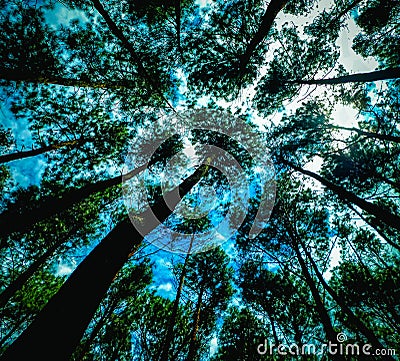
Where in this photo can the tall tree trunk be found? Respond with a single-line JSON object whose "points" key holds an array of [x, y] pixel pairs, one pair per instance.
{"points": [[380, 213], [171, 324], [84, 349], [274, 7], [58, 328], [17, 76], [386, 74], [22, 220], [178, 25], [371, 337], [193, 337], [116, 31], [375, 226], [17, 284], [31, 153], [388, 137], [320, 307]]}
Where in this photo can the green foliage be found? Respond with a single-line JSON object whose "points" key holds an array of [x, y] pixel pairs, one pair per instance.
{"points": [[91, 86], [240, 335]]}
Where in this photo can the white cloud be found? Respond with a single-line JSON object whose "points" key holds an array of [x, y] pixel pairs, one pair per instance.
{"points": [[167, 287], [64, 269]]}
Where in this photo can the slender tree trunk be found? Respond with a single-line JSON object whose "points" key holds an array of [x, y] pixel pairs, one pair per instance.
{"points": [[171, 324], [16, 75], [17, 284], [320, 307], [195, 328], [376, 228], [383, 215], [348, 8], [31, 153], [22, 220], [95, 331], [371, 337], [178, 24], [274, 7], [388, 137], [116, 31], [386, 74], [274, 333], [58, 328]]}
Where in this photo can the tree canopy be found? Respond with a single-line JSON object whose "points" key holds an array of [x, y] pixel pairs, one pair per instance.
{"points": [[199, 180]]}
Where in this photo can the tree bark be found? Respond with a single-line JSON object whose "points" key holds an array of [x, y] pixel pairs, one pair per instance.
{"points": [[58, 328], [388, 137], [350, 7], [31, 153], [128, 46], [195, 328], [386, 74], [22, 220], [383, 215], [18, 76], [178, 25], [274, 7]]}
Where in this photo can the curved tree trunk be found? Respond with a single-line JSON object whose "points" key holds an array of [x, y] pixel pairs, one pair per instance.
{"points": [[58, 328]]}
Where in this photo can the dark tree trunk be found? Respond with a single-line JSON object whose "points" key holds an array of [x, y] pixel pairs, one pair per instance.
{"points": [[84, 349], [18, 76], [31, 153], [380, 213], [388, 137], [377, 229], [17, 284], [386, 74], [274, 7], [350, 7], [351, 316], [195, 328], [178, 24], [58, 328], [153, 82], [319, 305], [23, 220]]}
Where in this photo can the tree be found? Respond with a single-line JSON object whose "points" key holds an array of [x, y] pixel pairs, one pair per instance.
{"points": [[209, 280], [239, 336], [101, 266]]}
